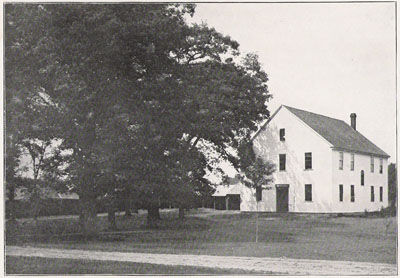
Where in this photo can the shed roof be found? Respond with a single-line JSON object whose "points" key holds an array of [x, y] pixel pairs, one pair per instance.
{"points": [[223, 190]]}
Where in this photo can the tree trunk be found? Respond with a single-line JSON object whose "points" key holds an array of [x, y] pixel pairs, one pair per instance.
{"points": [[111, 219], [128, 212], [181, 212], [128, 202], [153, 215], [257, 223], [35, 204], [11, 206], [88, 217], [135, 209], [111, 209]]}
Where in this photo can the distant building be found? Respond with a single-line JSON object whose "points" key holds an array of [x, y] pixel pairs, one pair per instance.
{"points": [[323, 166]]}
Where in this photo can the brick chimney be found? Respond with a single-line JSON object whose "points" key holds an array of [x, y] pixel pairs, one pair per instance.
{"points": [[353, 117]]}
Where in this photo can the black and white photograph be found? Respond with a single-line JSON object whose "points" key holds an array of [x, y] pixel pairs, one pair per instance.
{"points": [[190, 138]]}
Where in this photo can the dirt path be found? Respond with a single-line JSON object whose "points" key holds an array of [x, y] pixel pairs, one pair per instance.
{"points": [[275, 265]]}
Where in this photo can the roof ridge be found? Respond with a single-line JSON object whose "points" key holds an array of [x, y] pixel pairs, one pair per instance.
{"points": [[344, 140], [315, 113]]}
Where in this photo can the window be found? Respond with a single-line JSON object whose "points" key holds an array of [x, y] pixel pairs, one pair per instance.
{"points": [[352, 162], [341, 161], [308, 161], [362, 177], [308, 193], [340, 192], [380, 166], [372, 194], [282, 134], [352, 197], [282, 162], [381, 194], [258, 193], [372, 164]]}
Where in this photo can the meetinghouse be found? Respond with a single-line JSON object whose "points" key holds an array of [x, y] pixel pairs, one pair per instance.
{"points": [[323, 165]]}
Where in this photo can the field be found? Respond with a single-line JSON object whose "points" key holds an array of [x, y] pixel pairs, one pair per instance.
{"points": [[27, 265], [209, 232]]}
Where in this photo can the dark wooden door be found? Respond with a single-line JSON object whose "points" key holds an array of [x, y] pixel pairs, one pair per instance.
{"points": [[282, 199], [234, 202]]}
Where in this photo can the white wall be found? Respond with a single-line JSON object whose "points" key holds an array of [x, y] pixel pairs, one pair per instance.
{"points": [[248, 199], [347, 177], [300, 138]]}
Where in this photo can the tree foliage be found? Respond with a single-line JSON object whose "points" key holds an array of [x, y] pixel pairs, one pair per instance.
{"points": [[392, 181], [134, 89], [256, 172]]}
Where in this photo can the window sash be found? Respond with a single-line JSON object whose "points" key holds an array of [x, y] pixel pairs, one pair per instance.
{"points": [[341, 161], [372, 164], [352, 193], [362, 177], [258, 193], [308, 193], [282, 134], [308, 160], [372, 194], [282, 162], [352, 162]]}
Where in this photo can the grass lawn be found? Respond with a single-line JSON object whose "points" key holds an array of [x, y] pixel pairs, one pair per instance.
{"points": [[292, 236], [36, 265]]}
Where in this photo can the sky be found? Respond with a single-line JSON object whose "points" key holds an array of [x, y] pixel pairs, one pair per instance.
{"points": [[328, 58]]}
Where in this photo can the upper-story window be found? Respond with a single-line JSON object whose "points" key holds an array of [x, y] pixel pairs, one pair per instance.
{"points": [[282, 134], [362, 177], [372, 164], [341, 161], [352, 162], [308, 160], [380, 166], [282, 162]]}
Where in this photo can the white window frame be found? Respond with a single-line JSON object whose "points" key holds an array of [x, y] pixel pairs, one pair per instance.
{"points": [[372, 164]]}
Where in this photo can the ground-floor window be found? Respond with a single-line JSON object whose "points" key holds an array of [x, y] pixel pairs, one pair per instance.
{"points": [[258, 193], [372, 194], [352, 195], [340, 192], [308, 192], [381, 194]]}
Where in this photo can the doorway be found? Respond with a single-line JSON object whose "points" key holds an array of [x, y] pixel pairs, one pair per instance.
{"points": [[282, 198]]}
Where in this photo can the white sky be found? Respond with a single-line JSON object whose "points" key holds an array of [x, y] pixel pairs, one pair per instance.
{"points": [[332, 58]]}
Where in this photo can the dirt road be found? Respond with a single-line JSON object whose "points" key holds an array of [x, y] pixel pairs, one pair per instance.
{"points": [[275, 265]]}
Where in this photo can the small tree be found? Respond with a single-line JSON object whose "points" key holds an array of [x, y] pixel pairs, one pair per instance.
{"points": [[257, 173]]}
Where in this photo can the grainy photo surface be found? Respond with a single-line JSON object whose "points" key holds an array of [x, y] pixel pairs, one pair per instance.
{"points": [[207, 138]]}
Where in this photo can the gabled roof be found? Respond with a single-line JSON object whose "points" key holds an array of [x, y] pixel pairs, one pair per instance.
{"points": [[223, 190], [337, 132]]}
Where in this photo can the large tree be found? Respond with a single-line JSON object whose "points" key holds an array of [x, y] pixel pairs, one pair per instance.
{"points": [[138, 89]]}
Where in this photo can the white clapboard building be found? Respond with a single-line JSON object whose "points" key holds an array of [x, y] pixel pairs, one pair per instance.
{"points": [[323, 165]]}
